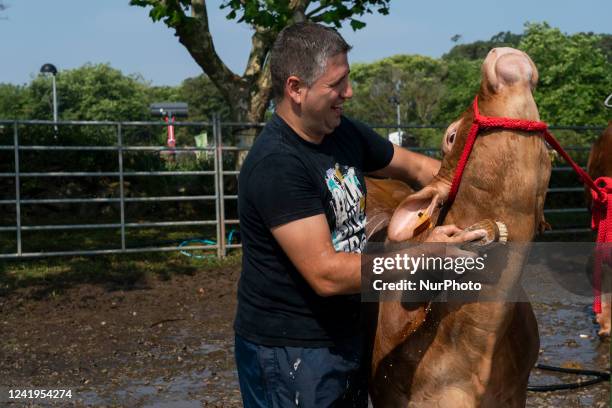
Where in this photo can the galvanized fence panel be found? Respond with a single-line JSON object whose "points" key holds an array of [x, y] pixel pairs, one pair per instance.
{"points": [[122, 225], [226, 146]]}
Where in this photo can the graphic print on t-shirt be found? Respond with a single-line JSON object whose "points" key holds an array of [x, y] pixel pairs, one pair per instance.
{"points": [[348, 203]]}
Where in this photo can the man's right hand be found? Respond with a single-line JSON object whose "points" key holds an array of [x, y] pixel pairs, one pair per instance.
{"points": [[452, 234]]}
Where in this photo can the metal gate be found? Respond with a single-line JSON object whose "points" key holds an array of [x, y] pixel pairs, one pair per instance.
{"points": [[217, 149]]}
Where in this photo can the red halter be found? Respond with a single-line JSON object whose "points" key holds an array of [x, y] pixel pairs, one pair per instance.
{"points": [[601, 190]]}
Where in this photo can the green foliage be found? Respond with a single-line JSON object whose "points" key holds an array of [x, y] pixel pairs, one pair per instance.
{"points": [[415, 81], [479, 49], [102, 93], [575, 76], [605, 45], [276, 14], [172, 12], [431, 91], [461, 84], [336, 11], [269, 14], [163, 93], [91, 92], [574, 80], [203, 98], [13, 100]]}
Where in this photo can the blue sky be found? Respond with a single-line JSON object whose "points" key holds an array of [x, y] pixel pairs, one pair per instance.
{"points": [[69, 33]]}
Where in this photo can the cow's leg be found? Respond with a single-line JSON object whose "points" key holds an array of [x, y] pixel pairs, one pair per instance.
{"points": [[513, 362], [603, 318]]}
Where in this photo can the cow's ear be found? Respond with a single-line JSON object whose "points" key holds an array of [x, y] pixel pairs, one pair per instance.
{"points": [[415, 214]]}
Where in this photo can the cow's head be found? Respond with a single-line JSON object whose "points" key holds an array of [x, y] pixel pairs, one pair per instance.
{"points": [[508, 78]]}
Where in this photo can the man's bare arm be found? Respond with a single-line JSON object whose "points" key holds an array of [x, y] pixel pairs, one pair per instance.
{"points": [[307, 243], [413, 168]]}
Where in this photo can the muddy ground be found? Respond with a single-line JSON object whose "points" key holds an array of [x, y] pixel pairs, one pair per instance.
{"points": [[168, 343]]}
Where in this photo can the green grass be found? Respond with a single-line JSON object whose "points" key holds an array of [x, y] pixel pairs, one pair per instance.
{"points": [[54, 274], [79, 240], [51, 276]]}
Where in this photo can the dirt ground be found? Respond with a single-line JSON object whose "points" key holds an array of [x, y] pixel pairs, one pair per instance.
{"points": [[164, 343], [158, 343]]}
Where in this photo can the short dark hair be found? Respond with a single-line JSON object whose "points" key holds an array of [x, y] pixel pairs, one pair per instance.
{"points": [[302, 50]]}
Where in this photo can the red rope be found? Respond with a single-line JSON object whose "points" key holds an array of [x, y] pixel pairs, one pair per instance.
{"points": [[600, 190], [602, 223]]}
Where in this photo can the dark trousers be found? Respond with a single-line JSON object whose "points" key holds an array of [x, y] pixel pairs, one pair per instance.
{"points": [[280, 377]]}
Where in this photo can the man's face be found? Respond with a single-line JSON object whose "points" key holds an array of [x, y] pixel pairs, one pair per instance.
{"points": [[321, 105]]}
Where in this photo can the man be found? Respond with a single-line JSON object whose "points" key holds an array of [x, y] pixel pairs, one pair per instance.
{"points": [[302, 223]]}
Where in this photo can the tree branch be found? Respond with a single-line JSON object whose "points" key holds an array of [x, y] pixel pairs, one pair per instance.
{"points": [[298, 10], [262, 41], [194, 34], [312, 13], [260, 95], [257, 72], [263, 38]]}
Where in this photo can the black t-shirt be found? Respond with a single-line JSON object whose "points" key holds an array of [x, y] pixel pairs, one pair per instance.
{"points": [[285, 178]]}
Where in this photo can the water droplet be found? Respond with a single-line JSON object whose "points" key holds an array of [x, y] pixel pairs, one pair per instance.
{"points": [[297, 398], [297, 364]]}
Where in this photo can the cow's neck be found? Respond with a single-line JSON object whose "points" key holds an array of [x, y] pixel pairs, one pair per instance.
{"points": [[505, 181], [513, 102]]}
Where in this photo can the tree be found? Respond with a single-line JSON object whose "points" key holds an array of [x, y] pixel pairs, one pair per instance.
{"points": [[605, 44], [415, 80], [461, 84], [90, 92], [248, 95], [477, 50], [575, 76], [203, 98], [13, 99]]}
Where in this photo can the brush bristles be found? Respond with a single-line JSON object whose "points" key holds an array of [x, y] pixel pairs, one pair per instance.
{"points": [[503, 231], [497, 233]]}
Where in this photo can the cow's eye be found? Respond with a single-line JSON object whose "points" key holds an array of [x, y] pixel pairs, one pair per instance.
{"points": [[451, 137]]}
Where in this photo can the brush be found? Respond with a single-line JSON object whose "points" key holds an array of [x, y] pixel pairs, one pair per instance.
{"points": [[497, 233]]}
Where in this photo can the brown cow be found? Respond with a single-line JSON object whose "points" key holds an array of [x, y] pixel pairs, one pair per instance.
{"points": [[471, 354], [600, 164]]}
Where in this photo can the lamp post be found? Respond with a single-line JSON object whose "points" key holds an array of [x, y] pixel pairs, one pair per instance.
{"points": [[395, 100], [50, 69]]}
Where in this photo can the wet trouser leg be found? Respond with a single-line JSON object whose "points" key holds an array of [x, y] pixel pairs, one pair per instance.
{"points": [[272, 377]]}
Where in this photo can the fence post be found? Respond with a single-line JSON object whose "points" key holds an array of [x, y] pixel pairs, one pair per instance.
{"points": [[220, 188], [17, 188], [121, 190], [216, 183]]}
